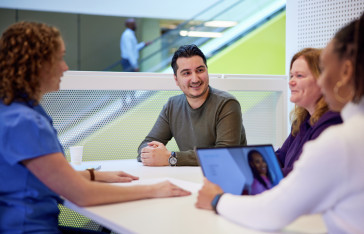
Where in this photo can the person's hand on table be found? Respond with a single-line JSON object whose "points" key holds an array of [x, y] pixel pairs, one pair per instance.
{"points": [[167, 189], [155, 154], [114, 177], [206, 194]]}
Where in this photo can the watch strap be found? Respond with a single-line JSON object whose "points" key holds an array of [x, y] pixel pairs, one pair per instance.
{"points": [[215, 201]]}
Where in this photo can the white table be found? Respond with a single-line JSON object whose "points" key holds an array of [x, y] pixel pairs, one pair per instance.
{"points": [[171, 215]]}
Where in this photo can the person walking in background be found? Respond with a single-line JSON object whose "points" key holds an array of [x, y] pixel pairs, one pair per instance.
{"points": [[129, 47]]}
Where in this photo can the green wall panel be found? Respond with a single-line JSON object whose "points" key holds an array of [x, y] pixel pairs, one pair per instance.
{"points": [[260, 52]]}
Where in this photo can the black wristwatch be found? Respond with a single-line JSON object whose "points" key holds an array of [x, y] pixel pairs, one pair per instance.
{"points": [[173, 159], [215, 201]]}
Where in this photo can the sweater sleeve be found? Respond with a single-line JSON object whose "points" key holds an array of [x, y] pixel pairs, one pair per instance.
{"points": [[187, 158], [229, 127], [160, 132]]}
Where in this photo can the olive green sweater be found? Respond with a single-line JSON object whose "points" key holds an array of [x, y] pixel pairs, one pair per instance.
{"points": [[218, 122]]}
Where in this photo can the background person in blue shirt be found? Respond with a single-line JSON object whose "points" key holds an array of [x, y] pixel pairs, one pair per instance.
{"points": [[33, 170], [130, 47]]}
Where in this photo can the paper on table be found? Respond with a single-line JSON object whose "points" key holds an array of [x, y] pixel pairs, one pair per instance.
{"points": [[187, 185]]}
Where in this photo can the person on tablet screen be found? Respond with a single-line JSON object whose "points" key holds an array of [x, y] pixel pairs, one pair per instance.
{"points": [[34, 173], [262, 179]]}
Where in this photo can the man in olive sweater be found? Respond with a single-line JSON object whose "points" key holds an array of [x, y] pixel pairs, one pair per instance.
{"points": [[201, 117]]}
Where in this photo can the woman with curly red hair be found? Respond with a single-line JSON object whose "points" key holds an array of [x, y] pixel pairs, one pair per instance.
{"points": [[33, 170]]}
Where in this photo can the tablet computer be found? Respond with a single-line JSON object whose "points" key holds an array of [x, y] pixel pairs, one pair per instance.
{"points": [[241, 170]]}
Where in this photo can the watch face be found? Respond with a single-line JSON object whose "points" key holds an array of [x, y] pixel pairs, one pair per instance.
{"points": [[173, 161]]}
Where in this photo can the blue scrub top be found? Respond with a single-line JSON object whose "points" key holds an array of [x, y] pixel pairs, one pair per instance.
{"points": [[26, 204]]}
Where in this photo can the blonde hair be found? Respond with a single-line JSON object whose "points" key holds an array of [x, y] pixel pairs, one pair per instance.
{"points": [[299, 114]]}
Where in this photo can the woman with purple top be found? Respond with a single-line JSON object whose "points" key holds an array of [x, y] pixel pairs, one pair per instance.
{"points": [[311, 114], [262, 179]]}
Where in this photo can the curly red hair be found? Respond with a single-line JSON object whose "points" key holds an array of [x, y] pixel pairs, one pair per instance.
{"points": [[25, 48]]}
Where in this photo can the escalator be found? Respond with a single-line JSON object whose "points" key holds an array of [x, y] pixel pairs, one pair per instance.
{"points": [[211, 30]]}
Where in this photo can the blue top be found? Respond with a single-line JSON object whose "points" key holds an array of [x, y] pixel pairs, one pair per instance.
{"points": [[292, 147], [26, 204], [130, 47]]}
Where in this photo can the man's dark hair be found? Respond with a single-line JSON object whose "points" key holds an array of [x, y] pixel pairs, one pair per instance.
{"points": [[186, 51]]}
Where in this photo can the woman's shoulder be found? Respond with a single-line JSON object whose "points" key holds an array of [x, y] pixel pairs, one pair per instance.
{"points": [[329, 118], [16, 108], [326, 121], [18, 114]]}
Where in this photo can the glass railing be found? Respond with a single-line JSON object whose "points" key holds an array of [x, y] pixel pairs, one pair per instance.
{"points": [[211, 30]]}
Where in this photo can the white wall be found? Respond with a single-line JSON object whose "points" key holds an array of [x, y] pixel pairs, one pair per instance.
{"points": [[162, 9], [312, 23]]}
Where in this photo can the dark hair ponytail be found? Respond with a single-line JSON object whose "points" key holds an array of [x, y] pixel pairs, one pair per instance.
{"points": [[359, 59], [349, 44]]}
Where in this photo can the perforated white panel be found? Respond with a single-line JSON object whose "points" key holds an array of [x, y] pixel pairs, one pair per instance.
{"points": [[111, 124], [318, 20]]}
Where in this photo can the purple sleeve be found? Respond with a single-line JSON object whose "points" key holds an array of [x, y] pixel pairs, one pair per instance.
{"points": [[282, 152]]}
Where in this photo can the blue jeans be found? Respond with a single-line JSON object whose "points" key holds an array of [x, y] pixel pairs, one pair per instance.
{"points": [[126, 65]]}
